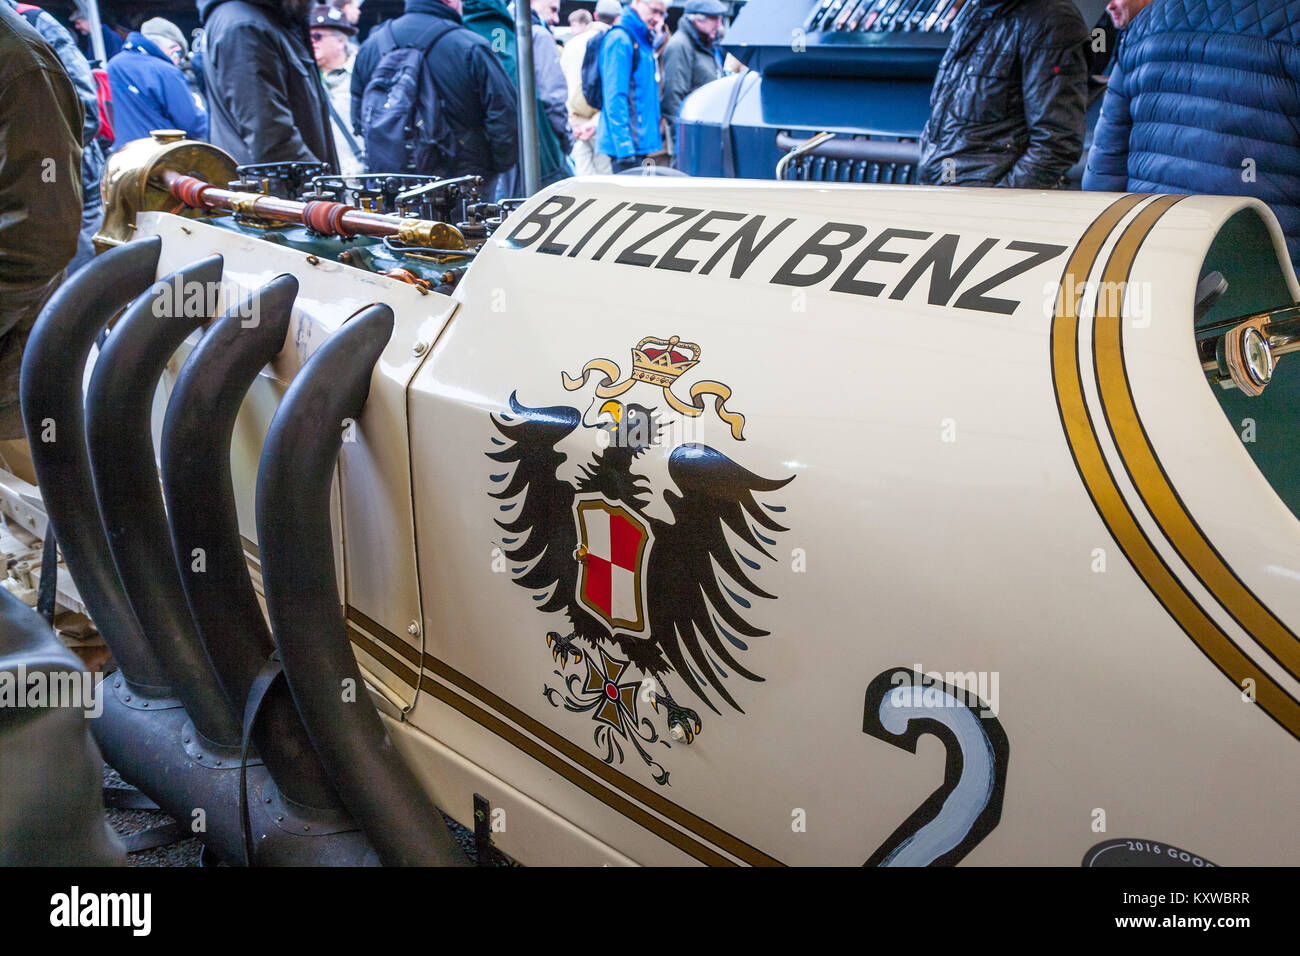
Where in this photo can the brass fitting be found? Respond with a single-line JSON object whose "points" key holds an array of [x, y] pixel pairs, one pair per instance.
{"points": [[430, 234], [132, 182]]}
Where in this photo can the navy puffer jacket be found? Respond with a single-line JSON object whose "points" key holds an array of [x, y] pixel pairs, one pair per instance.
{"points": [[1205, 98]]}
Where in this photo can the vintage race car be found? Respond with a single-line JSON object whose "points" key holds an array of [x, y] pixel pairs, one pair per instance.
{"points": [[698, 521]]}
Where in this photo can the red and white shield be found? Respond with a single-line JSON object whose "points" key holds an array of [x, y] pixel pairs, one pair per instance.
{"points": [[613, 546]]}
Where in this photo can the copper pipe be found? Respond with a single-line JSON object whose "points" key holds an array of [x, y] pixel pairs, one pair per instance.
{"points": [[419, 232]]}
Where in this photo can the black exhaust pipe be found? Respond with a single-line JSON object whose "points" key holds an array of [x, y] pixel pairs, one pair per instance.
{"points": [[141, 731], [54, 362], [118, 405], [205, 528], [298, 573]]}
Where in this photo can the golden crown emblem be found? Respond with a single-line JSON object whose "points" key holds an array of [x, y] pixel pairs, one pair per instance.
{"points": [[660, 361]]}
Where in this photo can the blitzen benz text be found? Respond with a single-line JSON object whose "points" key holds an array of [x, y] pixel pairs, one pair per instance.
{"points": [[952, 270]]}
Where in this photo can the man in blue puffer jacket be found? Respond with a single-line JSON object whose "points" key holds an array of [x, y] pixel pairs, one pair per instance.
{"points": [[629, 122], [1205, 98]]}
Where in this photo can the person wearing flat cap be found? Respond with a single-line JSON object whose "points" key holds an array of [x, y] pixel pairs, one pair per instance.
{"points": [[149, 90], [691, 58], [331, 31]]}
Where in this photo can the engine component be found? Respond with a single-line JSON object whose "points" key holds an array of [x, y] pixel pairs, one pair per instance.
{"points": [[322, 217], [284, 180], [132, 182]]}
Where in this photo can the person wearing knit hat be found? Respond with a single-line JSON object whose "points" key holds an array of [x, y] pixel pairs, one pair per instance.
{"points": [[81, 24], [157, 28], [149, 90]]}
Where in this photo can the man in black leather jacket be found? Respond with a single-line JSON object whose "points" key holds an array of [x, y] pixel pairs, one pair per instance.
{"points": [[265, 98], [1009, 100]]}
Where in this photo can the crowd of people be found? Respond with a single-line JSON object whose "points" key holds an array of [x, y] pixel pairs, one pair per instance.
{"points": [[283, 80], [433, 91]]}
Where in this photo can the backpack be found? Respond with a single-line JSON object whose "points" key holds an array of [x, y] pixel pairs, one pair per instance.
{"points": [[591, 86], [402, 117]]}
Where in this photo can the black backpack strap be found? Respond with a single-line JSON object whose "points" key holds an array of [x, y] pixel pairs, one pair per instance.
{"points": [[386, 39], [427, 40], [357, 151]]}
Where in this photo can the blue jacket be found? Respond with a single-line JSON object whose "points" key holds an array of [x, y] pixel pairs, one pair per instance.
{"points": [[615, 135], [1205, 98], [150, 92]]}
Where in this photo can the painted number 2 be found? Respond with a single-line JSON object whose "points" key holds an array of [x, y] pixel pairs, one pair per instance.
{"points": [[901, 706]]}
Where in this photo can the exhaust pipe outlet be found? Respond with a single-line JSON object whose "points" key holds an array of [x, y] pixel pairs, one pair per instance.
{"points": [[293, 523], [201, 510], [54, 363], [118, 405]]}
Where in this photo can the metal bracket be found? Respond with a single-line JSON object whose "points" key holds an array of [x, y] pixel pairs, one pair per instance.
{"points": [[139, 698], [483, 848], [127, 798], [153, 838], [207, 754], [297, 819]]}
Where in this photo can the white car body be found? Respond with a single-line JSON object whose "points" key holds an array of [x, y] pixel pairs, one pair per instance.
{"points": [[1116, 584]]}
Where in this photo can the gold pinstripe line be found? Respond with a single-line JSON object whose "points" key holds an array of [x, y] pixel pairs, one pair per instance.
{"points": [[1151, 481], [614, 800], [697, 826], [1100, 483]]}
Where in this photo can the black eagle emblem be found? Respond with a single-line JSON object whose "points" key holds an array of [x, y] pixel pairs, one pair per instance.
{"points": [[698, 590]]}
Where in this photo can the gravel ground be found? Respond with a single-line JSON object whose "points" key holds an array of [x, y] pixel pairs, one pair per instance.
{"points": [[126, 822], [188, 852]]}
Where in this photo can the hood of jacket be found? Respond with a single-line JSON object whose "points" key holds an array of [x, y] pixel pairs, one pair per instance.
{"points": [[472, 10], [634, 25], [139, 42]]}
